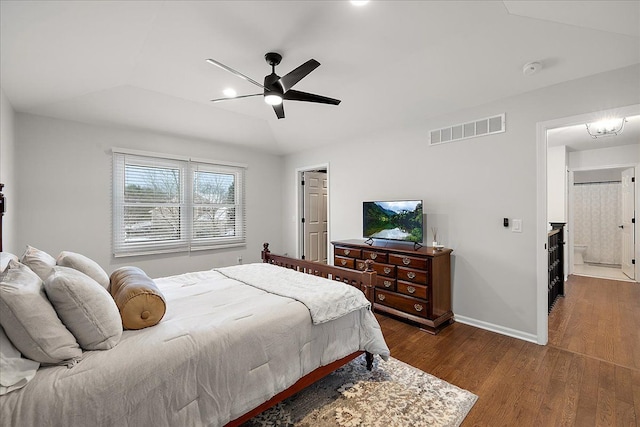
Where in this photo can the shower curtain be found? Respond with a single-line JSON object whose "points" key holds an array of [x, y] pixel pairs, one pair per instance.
{"points": [[597, 215]]}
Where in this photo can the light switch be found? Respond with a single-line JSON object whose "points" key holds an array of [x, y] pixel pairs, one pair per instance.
{"points": [[516, 226]]}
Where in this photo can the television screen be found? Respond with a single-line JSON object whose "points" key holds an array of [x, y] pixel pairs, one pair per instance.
{"points": [[399, 220]]}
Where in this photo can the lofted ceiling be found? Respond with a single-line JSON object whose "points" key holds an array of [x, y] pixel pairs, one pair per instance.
{"points": [[141, 64]]}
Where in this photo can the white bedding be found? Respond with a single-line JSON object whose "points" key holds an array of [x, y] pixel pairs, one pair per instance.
{"points": [[325, 299], [222, 349]]}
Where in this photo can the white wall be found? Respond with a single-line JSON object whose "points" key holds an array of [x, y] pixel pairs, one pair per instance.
{"points": [[556, 184], [468, 186], [599, 175], [557, 192], [604, 157], [64, 172], [7, 173]]}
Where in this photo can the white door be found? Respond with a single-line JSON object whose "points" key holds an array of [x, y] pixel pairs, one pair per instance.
{"points": [[315, 216], [628, 223]]}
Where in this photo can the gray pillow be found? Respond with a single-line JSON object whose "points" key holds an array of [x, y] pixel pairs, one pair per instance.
{"points": [[29, 320], [5, 257], [38, 261], [86, 265], [85, 307]]}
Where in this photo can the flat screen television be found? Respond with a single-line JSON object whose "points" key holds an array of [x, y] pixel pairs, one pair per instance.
{"points": [[393, 220]]}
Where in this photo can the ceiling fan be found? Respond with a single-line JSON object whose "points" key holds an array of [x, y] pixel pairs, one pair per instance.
{"points": [[277, 88]]}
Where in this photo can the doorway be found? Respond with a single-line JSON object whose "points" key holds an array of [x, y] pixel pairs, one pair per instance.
{"points": [[601, 211], [313, 214], [543, 132]]}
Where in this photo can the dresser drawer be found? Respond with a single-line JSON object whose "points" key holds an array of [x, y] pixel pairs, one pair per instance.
{"points": [[345, 262], [412, 289], [408, 261], [386, 283], [412, 275], [385, 270], [348, 252], [375, 256], [404, 303]]}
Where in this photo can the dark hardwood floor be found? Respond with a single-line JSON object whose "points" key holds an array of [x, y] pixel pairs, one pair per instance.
{"points": [[588, 374]]}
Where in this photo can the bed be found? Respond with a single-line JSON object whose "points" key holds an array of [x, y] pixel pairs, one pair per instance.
{"points": [[225, 351]]}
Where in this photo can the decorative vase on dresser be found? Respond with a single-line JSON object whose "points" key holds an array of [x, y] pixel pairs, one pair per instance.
{"points": [[413, 284]]}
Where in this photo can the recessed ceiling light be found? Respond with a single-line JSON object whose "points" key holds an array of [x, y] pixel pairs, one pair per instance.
{"points": [[359, 2], [531, 68], [231, 93]]}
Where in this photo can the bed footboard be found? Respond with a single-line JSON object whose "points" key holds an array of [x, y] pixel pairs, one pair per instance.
{"points": [[363, 280]]}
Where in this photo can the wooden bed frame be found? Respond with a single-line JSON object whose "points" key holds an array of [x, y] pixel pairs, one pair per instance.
{"points": [[363, 280], [2, 209]]}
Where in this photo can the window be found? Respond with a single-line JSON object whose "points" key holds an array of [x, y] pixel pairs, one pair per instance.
{"points": [[169, 205]]}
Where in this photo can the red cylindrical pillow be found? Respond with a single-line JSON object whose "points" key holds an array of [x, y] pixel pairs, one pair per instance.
{"points": [[139, 300]]}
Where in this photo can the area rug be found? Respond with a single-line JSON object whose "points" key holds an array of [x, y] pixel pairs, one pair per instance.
{"points": [[393, 394]]}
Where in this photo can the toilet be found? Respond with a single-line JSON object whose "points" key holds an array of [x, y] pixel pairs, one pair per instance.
{"points": [[578, 253]]}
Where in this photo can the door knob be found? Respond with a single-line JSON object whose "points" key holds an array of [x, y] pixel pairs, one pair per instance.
{"points": [[621, 226]]}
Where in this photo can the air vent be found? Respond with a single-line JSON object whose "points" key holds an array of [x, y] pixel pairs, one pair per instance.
{"points": [[481, 127]]}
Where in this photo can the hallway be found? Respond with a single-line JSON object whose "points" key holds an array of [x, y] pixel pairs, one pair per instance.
{"points": [[598, 318]]}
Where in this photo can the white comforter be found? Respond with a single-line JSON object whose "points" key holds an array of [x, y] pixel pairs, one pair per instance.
{"points": [[222, 348], [325, 299]]}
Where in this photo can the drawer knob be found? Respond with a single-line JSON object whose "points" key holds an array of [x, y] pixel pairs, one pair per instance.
{"points": [[411, 289], [418, 307], [343, 261], [411, 275], [347, 251], [374, 256], [387, 284], [406, 261], [387, 270], [381, 297]]}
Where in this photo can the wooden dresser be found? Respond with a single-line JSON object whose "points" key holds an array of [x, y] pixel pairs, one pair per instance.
{"points": [[411, 284]]}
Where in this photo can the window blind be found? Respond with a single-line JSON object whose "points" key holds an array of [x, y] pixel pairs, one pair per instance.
{"points": [[218, 205], [168, 205]]}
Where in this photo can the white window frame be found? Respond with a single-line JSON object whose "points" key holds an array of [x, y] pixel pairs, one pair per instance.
{"points": [[238, 205], [188, 168]]}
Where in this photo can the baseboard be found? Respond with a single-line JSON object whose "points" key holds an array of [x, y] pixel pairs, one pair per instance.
{"points": [[525, 336]]}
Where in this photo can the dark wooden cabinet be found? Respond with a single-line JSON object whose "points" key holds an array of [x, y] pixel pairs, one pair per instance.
{"points": [[556, 263], [414, 284]]}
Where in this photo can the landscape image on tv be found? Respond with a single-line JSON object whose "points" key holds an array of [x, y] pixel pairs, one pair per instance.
{"points": [[393, 220]]}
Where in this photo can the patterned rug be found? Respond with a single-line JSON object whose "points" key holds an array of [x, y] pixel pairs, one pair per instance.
{"points": [[393, 394]]}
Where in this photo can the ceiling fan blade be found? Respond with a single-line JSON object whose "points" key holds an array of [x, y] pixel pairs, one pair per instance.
{"points": [[288, 80], [279, 109], [296, 95], [236, 97], [232, 71]]}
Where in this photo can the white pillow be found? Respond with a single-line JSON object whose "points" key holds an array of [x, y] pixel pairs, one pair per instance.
{"points": [[29, 320], [15, 371], [85, 308], [38, 261], [86, 265], [5, 257]]}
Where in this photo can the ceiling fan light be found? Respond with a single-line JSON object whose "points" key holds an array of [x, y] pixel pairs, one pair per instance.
{"points": [[273, 99]]}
